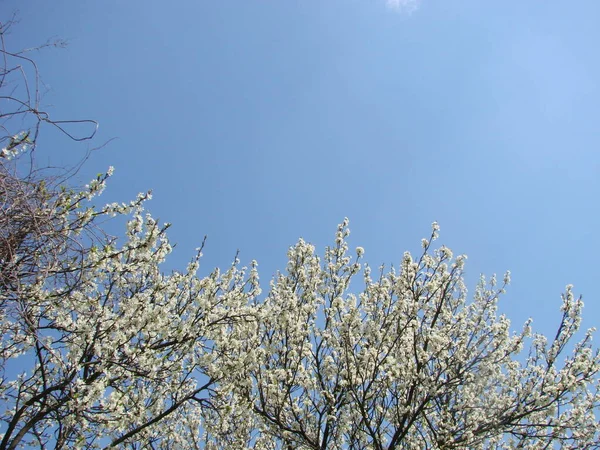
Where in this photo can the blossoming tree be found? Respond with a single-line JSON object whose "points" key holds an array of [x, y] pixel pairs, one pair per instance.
{"points": [[407, 361], [98, 346]]}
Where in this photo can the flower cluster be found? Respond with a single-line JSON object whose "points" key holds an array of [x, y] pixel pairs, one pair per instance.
{"points": [[96, 340], [407, 361], [100, 348]]}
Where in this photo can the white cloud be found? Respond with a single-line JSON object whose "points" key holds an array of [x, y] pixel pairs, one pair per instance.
{"points": [[403, 5]]}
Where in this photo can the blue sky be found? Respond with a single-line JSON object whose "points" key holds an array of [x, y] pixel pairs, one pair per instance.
{"points": [[258, 122]]}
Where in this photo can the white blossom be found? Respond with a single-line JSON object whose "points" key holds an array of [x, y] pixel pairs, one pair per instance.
{"points": [[101, 342]]}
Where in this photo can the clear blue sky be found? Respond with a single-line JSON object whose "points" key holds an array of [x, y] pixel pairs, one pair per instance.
{"points": [[257, 122]]}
